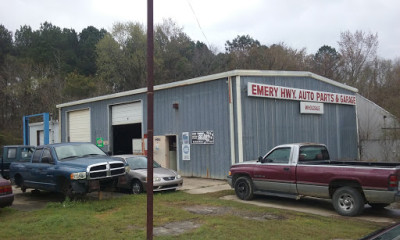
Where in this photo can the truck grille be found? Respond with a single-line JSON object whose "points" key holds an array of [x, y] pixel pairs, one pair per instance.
{"points": [[106, 170]]}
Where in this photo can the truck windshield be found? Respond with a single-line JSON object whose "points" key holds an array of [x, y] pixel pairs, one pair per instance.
{"points": [[66, 152]]}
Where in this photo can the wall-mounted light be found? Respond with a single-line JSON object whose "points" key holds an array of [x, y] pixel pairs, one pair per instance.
{"points": [[175, 106]]}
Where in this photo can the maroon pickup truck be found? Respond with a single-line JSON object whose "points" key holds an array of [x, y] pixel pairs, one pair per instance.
{"points": [[304, 169]]}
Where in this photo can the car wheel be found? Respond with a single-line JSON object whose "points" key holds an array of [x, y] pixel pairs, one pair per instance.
{"points": [[378, 205], [136, 187], [348, 201], [244, 188]]}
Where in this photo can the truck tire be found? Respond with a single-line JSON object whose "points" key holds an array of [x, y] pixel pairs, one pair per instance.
{"points": [[66, 189], [244, 188], [19, 181], [348, 201]]}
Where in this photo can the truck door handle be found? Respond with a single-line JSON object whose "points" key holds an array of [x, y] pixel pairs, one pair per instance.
{"points": [[286, 169]]}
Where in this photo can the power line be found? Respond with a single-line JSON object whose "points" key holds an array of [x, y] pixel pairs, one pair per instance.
{"points": [[198, 23]]}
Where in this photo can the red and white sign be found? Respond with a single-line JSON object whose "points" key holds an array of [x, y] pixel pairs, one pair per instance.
{"points": [[272, 91], [311, 108]]}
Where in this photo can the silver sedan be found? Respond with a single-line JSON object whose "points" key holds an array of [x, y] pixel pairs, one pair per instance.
{"points": [[163, 178]]}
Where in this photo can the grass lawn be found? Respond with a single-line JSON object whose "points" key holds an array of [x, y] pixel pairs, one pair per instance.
{"points": [[202, 216]]}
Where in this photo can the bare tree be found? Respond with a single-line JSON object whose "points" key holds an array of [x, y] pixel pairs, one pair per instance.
{"points": [[358, 51]]}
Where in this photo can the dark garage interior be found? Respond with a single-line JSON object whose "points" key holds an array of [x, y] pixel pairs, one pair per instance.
{"points": [[123, 135]]}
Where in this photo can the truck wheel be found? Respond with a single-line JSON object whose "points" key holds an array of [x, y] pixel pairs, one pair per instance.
{"points": [[19, 181], [136, 187], [66, 189], [378, 205], [244, 188], [348, 201]]}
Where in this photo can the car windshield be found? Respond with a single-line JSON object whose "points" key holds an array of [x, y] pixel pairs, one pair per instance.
{"points": [[66, 152], [140, 163]]}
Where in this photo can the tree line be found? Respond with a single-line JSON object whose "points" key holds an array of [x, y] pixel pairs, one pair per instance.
{"points": [[44, 67]]}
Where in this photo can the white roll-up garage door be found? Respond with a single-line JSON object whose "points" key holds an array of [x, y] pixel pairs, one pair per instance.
{"points": [[127, 113], [79, 126]]}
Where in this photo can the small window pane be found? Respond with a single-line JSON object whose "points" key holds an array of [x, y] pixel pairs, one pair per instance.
{"points": [[36, 156], [12, 153]]}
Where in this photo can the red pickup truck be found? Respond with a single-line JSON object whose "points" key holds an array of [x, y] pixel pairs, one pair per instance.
{"points": [[305, 169]]}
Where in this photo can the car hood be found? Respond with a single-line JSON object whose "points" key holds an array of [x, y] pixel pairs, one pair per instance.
{"points": [[84, 162], [157, 172]]}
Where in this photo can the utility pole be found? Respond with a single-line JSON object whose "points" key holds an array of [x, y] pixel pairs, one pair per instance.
{"points": [[150, 117]]}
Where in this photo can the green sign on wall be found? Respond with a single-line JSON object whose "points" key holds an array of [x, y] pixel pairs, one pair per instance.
{"points": [[100, 142]]}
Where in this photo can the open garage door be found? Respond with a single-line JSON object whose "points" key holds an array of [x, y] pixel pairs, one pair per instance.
{"points": [[126, 125], [79, 126]]}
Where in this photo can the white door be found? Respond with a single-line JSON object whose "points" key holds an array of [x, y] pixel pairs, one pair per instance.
{"points": [[127, 113], [79, 126]]}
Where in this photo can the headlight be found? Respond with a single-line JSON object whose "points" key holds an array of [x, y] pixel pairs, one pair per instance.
{"points": [[156, 179], [78, 175], [178, 176], [127, 169]]}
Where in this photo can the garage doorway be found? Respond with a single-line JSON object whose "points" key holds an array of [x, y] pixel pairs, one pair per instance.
{"points": [[123, 135], [126, 121]]}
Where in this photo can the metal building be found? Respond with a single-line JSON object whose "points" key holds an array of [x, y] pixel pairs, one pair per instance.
{"points": [[378, 132], [203, 125]]}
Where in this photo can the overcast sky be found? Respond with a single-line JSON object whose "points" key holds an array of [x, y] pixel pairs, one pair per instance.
{"points": [[299, 24]]}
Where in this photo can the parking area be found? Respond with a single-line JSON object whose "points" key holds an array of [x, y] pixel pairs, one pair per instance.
{"points": [[32, 200]]}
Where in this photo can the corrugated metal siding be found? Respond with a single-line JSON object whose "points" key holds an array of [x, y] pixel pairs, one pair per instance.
{"points": [[100, 116], [202, 106], [270, 122]]}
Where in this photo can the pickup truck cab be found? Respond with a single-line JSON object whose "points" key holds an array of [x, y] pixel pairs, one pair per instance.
{"points": [[70, 168], [14, 153], [305, 169]]}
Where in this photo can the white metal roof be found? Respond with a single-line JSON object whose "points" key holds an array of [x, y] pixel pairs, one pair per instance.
{"points": [[211, 78]]}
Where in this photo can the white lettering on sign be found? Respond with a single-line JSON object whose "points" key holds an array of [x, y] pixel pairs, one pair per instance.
{"points": [[271, 91], [311, 108]]}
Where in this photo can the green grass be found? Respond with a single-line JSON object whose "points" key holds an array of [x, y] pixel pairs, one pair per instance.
{"points": [[125, 218]]}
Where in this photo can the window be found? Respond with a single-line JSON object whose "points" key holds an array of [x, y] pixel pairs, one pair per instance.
{"points": [[313, 153], [26, 154], [12, 153], [36, 155], [280, 155], [46, 157]]}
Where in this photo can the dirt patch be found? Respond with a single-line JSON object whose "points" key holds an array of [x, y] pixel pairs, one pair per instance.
{"points": [[209, 210], [215, 210], [175, 228]]}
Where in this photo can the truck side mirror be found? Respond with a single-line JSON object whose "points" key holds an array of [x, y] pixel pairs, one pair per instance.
{"points": [[260, 159]]}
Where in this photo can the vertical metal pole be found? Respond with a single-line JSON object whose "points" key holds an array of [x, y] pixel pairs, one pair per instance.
{"points": [[25, 121], [46, 127], [150, 119]]}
